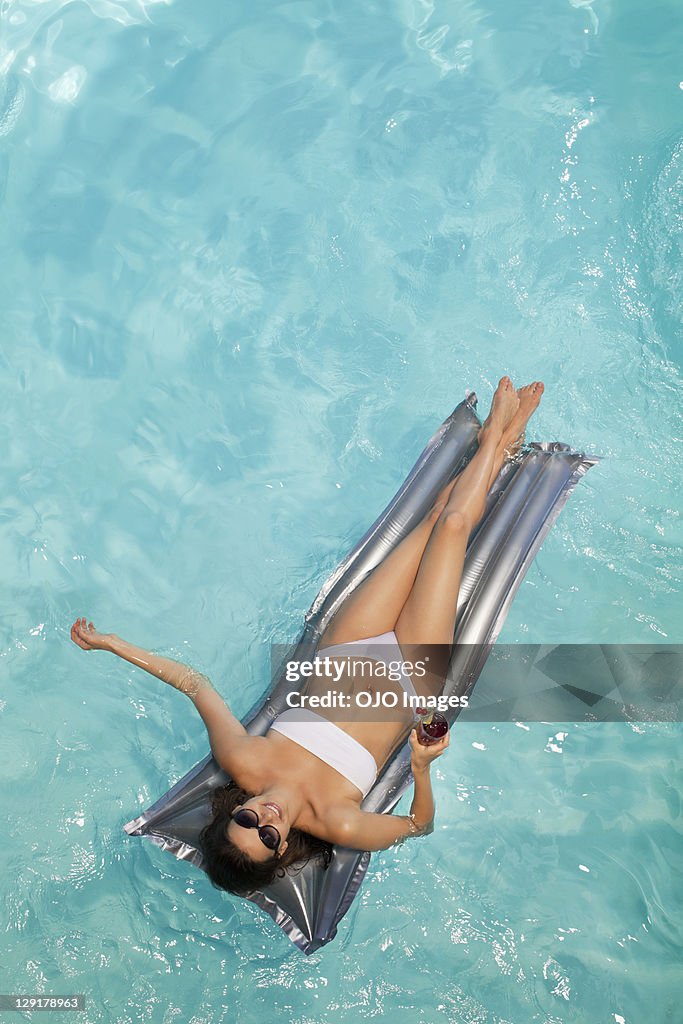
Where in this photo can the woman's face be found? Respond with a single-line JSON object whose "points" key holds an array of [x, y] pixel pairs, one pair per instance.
{"points": [[269, 812]]}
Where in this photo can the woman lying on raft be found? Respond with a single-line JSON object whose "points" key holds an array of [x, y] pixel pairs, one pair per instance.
{"points": [[297, 789]]}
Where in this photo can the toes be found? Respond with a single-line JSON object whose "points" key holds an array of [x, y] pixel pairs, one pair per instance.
{"points": [[533, 390]]}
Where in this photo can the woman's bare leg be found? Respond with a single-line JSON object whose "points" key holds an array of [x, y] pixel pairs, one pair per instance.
{"points": [[375, 605], [428, 615], [511, 441], [513, 436]]}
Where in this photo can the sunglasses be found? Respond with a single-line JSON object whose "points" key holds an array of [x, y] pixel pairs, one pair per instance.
{"points": [[268, 834]]}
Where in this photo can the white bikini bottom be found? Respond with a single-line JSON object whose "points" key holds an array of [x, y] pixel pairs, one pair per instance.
{"points": [[384, 648], [326, 740]]}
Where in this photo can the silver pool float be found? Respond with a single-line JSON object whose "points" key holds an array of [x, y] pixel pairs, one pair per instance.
{"points": [[522, 505]]}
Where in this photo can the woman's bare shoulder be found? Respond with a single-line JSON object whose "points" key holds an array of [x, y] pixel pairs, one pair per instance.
{"points": [[331, 821], [243, 754]]}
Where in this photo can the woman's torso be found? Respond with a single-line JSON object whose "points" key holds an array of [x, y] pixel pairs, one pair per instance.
{"points": [[379, 730], [374, 714]]}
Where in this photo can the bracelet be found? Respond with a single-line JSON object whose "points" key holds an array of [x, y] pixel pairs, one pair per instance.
{"points": [[414, 830], [413, 825], [192, 682]]}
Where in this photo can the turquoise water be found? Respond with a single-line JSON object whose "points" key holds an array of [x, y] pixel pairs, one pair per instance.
{"points": [[252, 255]]}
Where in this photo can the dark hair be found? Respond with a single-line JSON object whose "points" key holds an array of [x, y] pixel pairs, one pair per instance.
{"points": [[230, 868]]}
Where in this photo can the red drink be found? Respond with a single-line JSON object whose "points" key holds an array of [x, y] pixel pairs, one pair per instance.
{"points": [[431, 726]]}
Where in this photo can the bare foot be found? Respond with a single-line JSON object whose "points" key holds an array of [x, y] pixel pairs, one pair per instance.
{"points": [[503, 407], [529, 398]]}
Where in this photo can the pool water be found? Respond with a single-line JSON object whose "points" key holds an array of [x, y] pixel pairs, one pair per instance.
{"points": [[252, 255]]}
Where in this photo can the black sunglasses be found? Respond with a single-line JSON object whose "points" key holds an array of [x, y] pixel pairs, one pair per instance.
{"points": [[268, 834]]}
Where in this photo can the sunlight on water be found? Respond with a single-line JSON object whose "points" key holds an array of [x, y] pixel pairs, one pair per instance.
{"points": [[252, 257]]}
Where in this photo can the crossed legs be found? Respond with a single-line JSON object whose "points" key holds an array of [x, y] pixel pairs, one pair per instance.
{"points": [[414, 591]]}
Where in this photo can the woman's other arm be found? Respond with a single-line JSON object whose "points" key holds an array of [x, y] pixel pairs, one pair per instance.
{"points": [[360, 830], [222, 726]]}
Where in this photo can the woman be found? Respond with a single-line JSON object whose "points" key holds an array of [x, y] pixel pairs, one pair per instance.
{"points": [[298, 788]]}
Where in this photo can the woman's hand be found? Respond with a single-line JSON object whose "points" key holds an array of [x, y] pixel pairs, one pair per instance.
{"points": [[421, 755], [88, 639]]}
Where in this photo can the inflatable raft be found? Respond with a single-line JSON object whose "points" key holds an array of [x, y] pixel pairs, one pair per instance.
{"points": [[522, 505]]}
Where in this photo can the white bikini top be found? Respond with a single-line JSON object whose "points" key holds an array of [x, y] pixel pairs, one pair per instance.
{"points": [[331, 744]]}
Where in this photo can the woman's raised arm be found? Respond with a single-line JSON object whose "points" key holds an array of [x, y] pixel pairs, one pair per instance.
{"points": [[223, 728]]}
